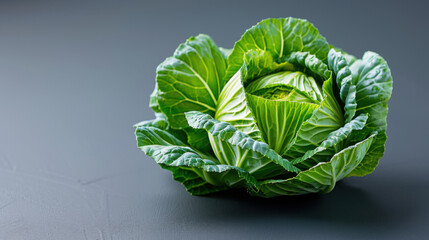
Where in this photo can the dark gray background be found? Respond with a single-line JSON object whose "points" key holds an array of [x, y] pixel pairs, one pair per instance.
{"points": [[75, 77]]}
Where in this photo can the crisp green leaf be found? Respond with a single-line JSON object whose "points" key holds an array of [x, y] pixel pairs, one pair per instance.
{"points": [[297, 95], [261, 152], [373, 81], [232, 106], [338, 63], [198, 139], [350, 58], [279, 121], [297, 80], [199, 173], [322, 177], [258, 63], [194, 137], [356, 67], [350, 104], [376, 122], [160, 122], [233, 109], [255, 163], [280, 37], [310, 65], [153, 101], [326, 119], [191, 79], [335, 137]]}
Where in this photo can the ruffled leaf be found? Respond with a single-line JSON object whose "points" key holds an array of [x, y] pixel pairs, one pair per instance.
{"points": [[226, 132], [335, 137], [198, 139], [310, 64], [259, 63], [153, 101], [338, 63], [326, 119], [199, 173], [350, 58], [373, 81], [161, 122], [279, 37], [191, 79], [322, 177]]}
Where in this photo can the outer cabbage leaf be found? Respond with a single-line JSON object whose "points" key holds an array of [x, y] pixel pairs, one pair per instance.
{"points": [[198, 139], [280, 37], [199, 173], [191, 79], [160, 122], [322, 177], [350, 58], [153, 101], [194, 137], [373, 81], [338, 63], [373, 156]]}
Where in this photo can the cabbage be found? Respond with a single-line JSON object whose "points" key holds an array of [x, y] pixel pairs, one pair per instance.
{"points": [[282, 113]]}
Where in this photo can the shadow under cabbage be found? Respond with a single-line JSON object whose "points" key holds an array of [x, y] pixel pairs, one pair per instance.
{"points": [[346, 205]]}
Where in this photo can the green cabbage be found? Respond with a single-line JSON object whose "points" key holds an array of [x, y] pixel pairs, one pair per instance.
{"points": [[282, 113]]}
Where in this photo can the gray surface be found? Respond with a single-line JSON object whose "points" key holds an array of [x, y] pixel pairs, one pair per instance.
{"points": [[75, 76]]}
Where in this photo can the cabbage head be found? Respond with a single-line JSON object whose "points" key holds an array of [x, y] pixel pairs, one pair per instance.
{"points": [[282, 113]]}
